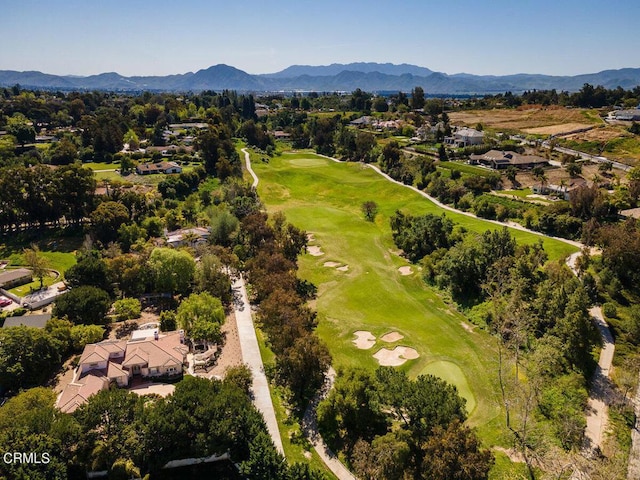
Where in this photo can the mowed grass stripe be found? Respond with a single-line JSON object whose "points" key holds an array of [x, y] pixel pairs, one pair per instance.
{"points": [[324, 198]]}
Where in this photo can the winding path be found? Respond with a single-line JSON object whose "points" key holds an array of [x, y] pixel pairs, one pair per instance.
{"points": [[310, 430], [247, 162]]}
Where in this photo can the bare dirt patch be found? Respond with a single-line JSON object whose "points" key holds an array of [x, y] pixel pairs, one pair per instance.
{"points": [[315, 251], [395, 357], [364, 339], [231, 355], [526, 117], [392, 337], [405, 270], [343, 268], [557, 129], [331, 264]]}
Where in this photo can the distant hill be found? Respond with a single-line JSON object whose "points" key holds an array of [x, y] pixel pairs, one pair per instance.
{"points": [[336, 68], [335, 77]]}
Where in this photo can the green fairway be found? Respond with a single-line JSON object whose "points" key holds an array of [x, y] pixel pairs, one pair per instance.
{"points": [[324, 198]]}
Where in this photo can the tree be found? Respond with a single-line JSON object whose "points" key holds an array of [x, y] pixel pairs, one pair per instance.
{"points": [[127, 309], [511, 173], [303, 366], [210, 277], [573, 169], [605, 167], [453, 452], [370, 210], [168, 321], [82, 335], [110, 428], [107, 219], [65, 152], [89, 270], [38, 264], [417, 98], [351, 411], [83, 305], [172, 270], [201, 316], [27, 357]]}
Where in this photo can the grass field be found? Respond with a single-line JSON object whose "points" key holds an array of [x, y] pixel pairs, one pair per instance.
{"points": [[58, 250], [324, 198]]}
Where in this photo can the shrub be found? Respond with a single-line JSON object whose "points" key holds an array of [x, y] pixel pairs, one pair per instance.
{"points": [[610, 310], [127, 309]]}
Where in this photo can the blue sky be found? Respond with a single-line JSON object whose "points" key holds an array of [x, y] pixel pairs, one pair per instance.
{"points": [[160, 37]]}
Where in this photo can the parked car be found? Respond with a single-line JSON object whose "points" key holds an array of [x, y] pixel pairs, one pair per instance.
{"points": [[4, 301]]}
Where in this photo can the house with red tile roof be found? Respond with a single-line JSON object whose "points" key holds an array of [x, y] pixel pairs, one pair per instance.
{"points": [[118, 362]]}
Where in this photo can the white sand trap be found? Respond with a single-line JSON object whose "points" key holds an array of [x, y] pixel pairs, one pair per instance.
{"points": [[364, 340], [311, 237], [331, 264], [315, 251], [395, 357], [405, 270], [392, 337], [466, 326], [343, 268]]}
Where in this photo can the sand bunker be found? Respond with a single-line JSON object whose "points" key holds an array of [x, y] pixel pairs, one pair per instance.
{"points": [[315, 251], [364, 340], [405, 270], [395, 357], [392, 337], [343, 268], [331, 264], [311, 237]]}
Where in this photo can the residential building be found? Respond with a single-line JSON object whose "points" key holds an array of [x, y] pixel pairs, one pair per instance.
{"points": [[562, 191], [120, 361], [464, 137], [187, 236], [499, 160], [15, 277], [625, 115], [159, 167]]}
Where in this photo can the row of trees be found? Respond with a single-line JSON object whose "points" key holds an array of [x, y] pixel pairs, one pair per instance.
{"points": [[301, 357], [39, 196]]}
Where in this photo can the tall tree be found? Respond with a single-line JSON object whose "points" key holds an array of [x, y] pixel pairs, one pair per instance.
{"points": [[38, 263]]}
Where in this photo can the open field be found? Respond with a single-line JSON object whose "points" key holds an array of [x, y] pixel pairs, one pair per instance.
{"points": [[324, 198], [536, 117]]}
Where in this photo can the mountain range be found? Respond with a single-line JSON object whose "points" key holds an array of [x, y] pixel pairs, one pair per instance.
{"points": [[373, 77]]}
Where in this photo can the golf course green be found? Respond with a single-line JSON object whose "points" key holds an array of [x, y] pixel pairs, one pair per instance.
{"points": [[355, 265]]}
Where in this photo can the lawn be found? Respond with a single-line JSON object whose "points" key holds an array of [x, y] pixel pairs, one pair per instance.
{"points": [[324, 198], [466, 168], [58, 250]]}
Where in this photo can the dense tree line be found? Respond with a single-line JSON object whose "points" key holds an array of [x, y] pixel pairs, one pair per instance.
{"points": [[129, 435], [394, 428], [539, 313], [301, 357], [39, 196]]}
